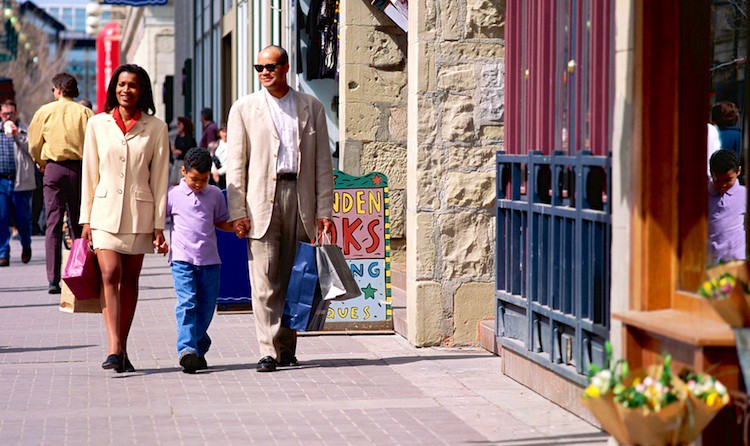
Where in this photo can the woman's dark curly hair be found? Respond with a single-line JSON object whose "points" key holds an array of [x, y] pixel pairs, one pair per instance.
{"points": [[145, 100]]}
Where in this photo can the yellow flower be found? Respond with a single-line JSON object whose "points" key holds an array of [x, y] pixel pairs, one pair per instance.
{"points": [[592, 391], [714, 400]]}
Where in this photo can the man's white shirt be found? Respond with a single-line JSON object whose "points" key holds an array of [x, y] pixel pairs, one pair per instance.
{"points": [[284, 115]]}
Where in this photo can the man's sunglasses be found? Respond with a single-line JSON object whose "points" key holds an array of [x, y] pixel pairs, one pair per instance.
{"points": [[269, 66]]}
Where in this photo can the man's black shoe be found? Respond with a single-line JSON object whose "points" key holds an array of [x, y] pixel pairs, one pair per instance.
{"points": [[5, 261], [26, 255], [202, 364], [266, 364], [288, 360], [189, 362], [54, 288]]}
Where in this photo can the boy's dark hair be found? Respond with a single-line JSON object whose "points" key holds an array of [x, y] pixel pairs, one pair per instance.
{"points": [[145, 100], [67, 84], [207, 114], [198, 159], [722, 161], [725, 114]]}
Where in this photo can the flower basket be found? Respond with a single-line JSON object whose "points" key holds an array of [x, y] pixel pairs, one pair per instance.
{"points": [[605, 411], [653, 407], [648, 428], [727, 294]]}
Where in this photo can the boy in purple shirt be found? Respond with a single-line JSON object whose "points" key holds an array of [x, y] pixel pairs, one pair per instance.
{"points": [[727, 206], [196, 209]]}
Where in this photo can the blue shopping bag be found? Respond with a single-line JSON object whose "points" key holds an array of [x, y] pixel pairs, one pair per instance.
{"points": [[300, 295], [234, 283]]}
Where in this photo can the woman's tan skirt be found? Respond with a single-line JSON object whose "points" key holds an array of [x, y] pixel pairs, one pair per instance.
{"points": [[123, 243]]}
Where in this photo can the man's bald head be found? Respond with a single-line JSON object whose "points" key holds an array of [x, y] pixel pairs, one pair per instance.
{"points": [[278, 52]]}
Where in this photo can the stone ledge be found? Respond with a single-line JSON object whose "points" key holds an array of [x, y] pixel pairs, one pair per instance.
{"points": [[546, 383], [487, 338]]}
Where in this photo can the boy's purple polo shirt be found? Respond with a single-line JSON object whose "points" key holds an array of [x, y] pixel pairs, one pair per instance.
{"points": [[726, 223], [193, 216]]}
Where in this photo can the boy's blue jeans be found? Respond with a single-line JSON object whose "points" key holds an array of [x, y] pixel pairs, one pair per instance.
{"points": [[197, 288], [21, 202]]}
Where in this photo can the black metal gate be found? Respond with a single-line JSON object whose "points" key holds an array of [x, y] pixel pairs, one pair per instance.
{"points": [[553, 258]]}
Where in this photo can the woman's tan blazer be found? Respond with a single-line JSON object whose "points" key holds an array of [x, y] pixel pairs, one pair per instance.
{"points": [[124, 187], [253, 145]]}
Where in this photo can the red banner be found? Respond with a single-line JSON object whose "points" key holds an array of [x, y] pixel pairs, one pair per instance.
{"points": [[107, 59]]}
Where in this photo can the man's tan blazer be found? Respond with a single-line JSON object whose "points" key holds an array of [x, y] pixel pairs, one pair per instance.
{"points": [[125, 177], [251, 162]]}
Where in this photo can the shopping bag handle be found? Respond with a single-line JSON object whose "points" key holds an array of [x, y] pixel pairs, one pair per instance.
{"points": [[321, 238]]}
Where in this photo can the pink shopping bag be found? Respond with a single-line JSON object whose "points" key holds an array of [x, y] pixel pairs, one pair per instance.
{"points": [[82, 271]]}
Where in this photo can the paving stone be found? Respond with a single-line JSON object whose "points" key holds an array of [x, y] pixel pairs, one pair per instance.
{"points": [[365, 389]]}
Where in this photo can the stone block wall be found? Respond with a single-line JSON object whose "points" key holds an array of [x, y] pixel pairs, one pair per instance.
{"points": [[455, 116], [372, 110]]}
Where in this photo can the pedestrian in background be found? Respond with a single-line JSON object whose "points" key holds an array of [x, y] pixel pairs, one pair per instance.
{"points": [[219, 166], [210, 131], [126, 167], [277, 197], [184, 141], [17, 182], [86, 103], [726, 116], [56, 135], [196, 209]]}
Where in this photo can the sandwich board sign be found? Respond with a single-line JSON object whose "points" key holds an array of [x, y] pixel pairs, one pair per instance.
{"points": [[362, 230]]}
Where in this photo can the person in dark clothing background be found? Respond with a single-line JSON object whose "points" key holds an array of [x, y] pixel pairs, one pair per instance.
{"points": [[210, 130], [725, 115], [184, 141]]}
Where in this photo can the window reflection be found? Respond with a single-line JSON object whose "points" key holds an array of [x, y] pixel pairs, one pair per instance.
{"points": [[727, 196]]}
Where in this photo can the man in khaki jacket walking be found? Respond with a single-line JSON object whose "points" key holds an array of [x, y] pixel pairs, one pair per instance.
{"points": [[280, 192], [56, 143]]}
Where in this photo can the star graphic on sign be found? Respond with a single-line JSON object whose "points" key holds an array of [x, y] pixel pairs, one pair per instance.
{"points": [[377, 179], [369, 291]]}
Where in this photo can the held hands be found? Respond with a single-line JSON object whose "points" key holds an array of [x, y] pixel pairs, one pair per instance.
{"points": [[241, 227], [324, 227], [160, 243]]}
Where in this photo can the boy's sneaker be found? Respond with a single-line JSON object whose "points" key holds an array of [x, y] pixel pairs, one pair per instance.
{"points": [[189, 362]]}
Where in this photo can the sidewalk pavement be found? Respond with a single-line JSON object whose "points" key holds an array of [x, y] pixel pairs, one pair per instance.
{"points": [[358, 389]]}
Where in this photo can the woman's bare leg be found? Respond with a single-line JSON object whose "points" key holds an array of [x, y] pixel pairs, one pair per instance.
{"points": [[131, 272], [110, 264]]}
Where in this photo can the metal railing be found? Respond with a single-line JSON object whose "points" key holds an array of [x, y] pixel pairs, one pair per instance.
{"points": [[553, 258]]}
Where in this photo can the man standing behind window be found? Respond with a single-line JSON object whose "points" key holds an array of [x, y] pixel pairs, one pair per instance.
{"points": [[56, 143]]}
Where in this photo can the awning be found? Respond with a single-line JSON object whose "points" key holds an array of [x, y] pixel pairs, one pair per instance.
{"points": [[397, 10]]}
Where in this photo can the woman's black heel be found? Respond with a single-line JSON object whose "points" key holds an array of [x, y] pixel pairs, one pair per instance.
{"points": [[112, 362]]}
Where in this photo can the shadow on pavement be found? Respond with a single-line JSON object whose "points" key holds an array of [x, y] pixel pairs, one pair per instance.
{"points": [[394, 360], [23, 289], [6, 307], [4, 350], [594, 437]]}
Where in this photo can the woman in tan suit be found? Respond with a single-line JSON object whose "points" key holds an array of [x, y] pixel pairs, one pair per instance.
{"points": [[124, 196]]}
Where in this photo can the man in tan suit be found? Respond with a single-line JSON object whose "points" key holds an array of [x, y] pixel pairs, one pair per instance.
{"points": [[280, 192]]}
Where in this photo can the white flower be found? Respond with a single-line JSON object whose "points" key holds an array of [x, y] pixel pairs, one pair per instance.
{"points": [[720, 389], [602, 380]]}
